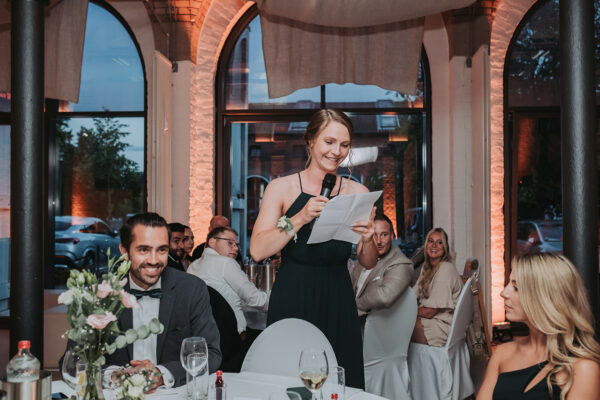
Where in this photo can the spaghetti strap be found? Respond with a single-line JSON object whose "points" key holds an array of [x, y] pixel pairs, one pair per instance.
{"points": [[300, 180], [340, 187]]}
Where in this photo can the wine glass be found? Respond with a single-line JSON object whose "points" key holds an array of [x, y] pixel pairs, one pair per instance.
{"points": [[313, 368], [73, 371], [194, 359]]}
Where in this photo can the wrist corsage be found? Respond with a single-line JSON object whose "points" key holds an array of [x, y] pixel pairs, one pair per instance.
{"points": [[284, 224]]}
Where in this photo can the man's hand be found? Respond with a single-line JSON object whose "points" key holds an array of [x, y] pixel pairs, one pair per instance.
{"points": [[157, 379]]}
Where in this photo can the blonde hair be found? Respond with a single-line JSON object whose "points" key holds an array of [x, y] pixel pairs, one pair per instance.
{"points": [[428, 271], [555, 302]]}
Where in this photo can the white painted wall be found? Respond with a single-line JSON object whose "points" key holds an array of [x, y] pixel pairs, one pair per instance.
{"points": [[180, 194], [435, 40], [460, 117]]}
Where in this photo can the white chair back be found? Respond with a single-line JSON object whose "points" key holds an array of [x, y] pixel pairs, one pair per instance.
{"points": [[388, 331], [277, 349], [463, 314]]}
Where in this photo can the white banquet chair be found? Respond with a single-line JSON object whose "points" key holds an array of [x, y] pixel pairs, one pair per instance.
{"points": [[443, 372], [276, 350], [385, 348]]}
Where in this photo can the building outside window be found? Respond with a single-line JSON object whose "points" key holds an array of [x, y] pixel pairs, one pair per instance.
{"points": [[96, 157], [259, 138], [533, 135]]}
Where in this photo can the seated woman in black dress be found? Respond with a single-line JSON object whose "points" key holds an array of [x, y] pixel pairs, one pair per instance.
{"points": [[560, 359]]}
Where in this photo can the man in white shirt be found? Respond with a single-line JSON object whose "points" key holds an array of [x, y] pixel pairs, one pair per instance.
{"points": [[180, 302], [218, 268]]}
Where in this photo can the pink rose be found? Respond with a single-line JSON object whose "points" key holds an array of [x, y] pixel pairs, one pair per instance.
{"points": [[99, 321], [128, 300], [104, 289]]}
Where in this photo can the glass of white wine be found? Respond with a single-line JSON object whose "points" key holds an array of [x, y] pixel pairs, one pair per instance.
{"points": [[313, 368]]}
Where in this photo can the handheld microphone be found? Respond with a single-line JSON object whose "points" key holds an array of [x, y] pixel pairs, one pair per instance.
{"points": [[326, 188]]}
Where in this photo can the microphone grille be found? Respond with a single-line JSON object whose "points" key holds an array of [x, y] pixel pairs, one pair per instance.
{"points": [[329, 181]]}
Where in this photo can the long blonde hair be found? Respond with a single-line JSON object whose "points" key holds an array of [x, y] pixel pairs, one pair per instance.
{"points": [[555, 302], [428, 271]]}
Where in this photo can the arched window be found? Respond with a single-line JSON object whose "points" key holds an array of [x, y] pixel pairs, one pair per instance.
{"points": [[532, 136], [96, 154], [259, 138], [97, 157]]}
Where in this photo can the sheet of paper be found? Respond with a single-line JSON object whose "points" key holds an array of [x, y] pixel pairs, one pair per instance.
{"points": [[339, 214]]}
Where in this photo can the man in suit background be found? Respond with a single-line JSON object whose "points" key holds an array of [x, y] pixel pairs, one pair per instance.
{"points": [[176, 249], [179, 300], [382, 285]]}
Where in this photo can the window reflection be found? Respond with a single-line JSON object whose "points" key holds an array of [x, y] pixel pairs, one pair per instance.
{"points": [[4, 217], [111, 72], [533, 98], [4, 102], [100, 181]]}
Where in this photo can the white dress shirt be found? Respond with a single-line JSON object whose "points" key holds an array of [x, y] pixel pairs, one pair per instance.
{"points": [[225, 276], [146, 349]]}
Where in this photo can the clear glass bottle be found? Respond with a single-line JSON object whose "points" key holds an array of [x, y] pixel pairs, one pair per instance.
{"points": [[23, 367]]}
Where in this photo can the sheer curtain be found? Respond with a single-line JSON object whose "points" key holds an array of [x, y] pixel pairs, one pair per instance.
{"points": [[64, 37], [313, 42]]}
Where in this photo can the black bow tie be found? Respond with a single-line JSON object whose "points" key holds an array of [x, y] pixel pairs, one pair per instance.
{"points": [[154, 293]]}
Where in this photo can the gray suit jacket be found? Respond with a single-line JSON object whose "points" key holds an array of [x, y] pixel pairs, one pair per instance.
{"points": [[387, 281], [184, 311]]}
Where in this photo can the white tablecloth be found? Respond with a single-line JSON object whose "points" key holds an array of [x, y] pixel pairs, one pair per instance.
{"points": [[242, 386]]}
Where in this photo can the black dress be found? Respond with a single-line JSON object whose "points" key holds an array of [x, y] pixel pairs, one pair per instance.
{"points": [[511, 385], [313, 284]]}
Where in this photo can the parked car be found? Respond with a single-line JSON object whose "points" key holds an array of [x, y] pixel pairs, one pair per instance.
{"points": [[539, 236], [82, 242]]}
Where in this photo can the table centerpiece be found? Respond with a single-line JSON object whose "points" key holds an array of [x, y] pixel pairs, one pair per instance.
{"points": [[92, 312]]}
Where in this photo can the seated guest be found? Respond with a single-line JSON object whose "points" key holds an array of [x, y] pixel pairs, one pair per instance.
{"points": [[218, 268], [215, 222], [180, 302], [382, 285], [176, 234], [560, 359], [188, 246], [437, 290]]}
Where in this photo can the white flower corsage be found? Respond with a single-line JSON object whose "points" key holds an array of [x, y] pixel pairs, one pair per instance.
{"points": [[284, 224]]}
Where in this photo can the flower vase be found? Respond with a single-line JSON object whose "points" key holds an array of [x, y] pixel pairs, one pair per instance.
{"points": [[92, 389]]}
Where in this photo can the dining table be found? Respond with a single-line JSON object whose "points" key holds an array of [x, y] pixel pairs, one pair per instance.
{"points": [[240, 386]]}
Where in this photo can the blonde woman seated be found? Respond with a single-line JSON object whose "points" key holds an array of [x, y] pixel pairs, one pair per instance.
{"points": [[560, 359], [437, 290]]}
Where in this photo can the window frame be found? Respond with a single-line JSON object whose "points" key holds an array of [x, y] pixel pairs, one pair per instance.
{"points": [[511, 118], [225, 117]]}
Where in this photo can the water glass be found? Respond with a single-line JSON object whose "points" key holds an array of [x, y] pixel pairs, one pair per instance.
{"points": [[194, 359], [336, 383]]}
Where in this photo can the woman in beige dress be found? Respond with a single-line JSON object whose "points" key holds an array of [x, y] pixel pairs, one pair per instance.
{"points": [[437, 290]]}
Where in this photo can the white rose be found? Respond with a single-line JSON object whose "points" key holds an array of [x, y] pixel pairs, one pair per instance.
{"points": [[66, 297], [138, 380], [134, 392]]}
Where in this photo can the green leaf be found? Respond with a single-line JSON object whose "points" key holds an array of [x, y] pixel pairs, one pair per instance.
{"points": [[121, 341], [131, 336], [143, 332], [155, 326]]}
